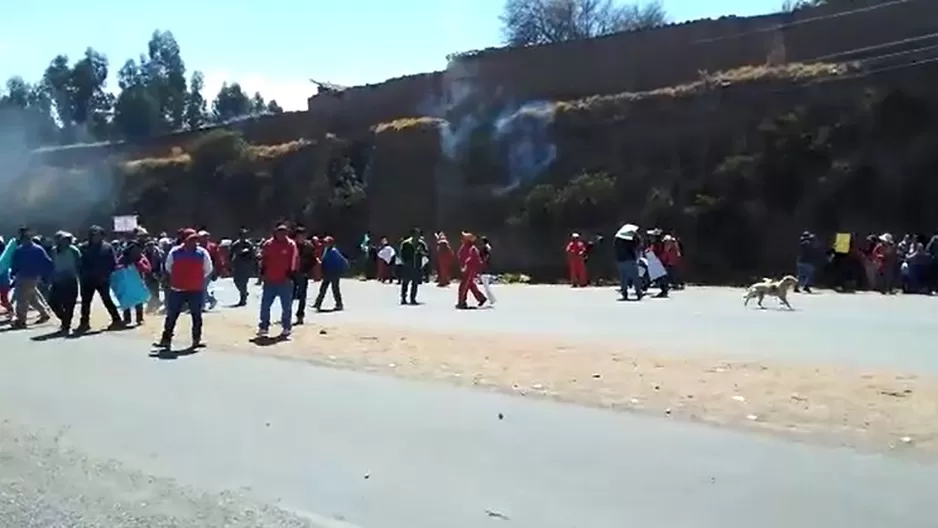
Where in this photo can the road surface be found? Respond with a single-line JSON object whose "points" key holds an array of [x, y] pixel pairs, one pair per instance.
{"points": [[865, 330], [385, 453]]}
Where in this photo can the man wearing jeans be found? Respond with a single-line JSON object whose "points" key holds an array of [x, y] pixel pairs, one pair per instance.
{"points": [[626, 247], [808, 256], [278, 266], [188, 266]]}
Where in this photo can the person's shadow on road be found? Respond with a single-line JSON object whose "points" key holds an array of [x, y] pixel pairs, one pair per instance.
{"points": [[266, 341], [86, 333], [57, 334], [170, 354]]}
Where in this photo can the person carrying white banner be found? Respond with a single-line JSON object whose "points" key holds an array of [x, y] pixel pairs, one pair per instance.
{"points": [[485, 251]]}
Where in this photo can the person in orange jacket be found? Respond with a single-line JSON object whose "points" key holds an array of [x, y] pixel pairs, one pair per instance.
{"points": [[470, 264], [576, 261], [444, 261]]}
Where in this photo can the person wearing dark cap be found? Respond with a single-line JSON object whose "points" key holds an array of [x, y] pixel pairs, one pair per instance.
{"points": [[98, 262], [414, 254], [64, 293], [334, 265], [188, 266], [243, 264], [278, 266], [308, 261]]}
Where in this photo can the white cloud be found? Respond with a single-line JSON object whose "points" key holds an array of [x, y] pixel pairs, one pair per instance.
{"points": [[290, 94]]}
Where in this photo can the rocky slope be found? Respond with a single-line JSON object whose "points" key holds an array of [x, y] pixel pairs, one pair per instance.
{"points": [[737, 164]]}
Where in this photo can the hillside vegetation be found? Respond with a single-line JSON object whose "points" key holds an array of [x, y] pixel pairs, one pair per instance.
{"points": [[737, 164]]}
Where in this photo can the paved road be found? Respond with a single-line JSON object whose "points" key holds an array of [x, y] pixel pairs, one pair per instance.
{"points": [[868, 330], [386, 453]]}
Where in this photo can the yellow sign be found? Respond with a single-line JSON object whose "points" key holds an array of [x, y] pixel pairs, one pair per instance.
{"points": [[842, 243]]}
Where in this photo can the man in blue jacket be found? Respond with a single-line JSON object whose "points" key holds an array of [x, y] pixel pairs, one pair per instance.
{"points": [[31, 264], [98, 262], [334, 265]]}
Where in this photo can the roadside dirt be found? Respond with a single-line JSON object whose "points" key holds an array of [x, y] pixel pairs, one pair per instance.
{"points": [[879, 410]]}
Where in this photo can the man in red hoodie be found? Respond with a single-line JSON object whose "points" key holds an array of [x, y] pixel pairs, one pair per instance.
{"points": [[470, 264], [188, 266], [279, 259]]}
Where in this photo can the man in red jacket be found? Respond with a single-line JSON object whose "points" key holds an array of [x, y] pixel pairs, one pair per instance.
{"points": [[576, 261], [188, 267], [279, 259], [470, 264]]}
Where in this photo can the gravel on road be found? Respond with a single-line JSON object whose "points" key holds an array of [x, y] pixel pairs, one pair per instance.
{"points": [[44, 484]]}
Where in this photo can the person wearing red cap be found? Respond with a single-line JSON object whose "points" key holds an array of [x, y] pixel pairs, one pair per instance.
{"points": [[279, 260], [188, 266], [470, 264]]}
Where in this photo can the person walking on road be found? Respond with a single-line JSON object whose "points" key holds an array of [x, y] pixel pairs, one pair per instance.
{"points": [[5, 286], [243, 264], [278, 266], [334, 264], [306, 266], [205, 240], [414, 254], [133, 256], [188, 267], [485, 276], [470, 265], [63, 295], [30, 265], [98, 262]]}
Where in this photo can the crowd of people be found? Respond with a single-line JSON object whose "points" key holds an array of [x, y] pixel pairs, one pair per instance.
{"points": [[874, 262], [51, 275], [54, 275]]}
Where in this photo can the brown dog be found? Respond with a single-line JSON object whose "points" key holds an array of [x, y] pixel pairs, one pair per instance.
{"points": [[778, 289]]}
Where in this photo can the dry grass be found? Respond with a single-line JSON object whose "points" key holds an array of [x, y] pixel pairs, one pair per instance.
{"points": [[272, 152], [794, 72], [150, 164], [408, 123], [180, 159]]}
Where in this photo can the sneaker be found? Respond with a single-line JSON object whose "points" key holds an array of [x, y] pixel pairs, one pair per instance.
{"points": [[299, 320], [263, 332], [44, 319], [285, 334], [82, 328]]}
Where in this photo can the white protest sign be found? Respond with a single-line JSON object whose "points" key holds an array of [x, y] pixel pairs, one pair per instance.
{"points": [[125, 223], [655, 267]]}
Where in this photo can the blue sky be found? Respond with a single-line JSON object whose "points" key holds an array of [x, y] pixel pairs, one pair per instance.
{"points": [[275, 46]]}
